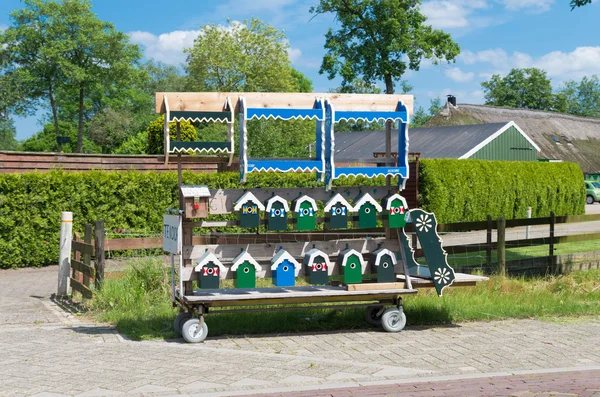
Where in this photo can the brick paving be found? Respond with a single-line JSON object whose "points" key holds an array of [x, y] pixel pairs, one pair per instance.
{"points": [[45, 352]]}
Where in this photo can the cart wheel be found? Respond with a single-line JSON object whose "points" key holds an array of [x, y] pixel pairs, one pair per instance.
{"points": [[373, 314], [179, 320], [393, 320], [192, 332]]}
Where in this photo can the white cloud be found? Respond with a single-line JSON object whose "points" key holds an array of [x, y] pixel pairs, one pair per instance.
{"points": [[167, 47], [294, 53], [447, 14], [533, 6], [458, 75]]}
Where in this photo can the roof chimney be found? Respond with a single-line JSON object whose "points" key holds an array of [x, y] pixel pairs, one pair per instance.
{"points": [[451, 100]]}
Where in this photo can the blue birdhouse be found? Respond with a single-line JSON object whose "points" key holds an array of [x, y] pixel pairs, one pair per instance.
{"points": [[284, 269]]}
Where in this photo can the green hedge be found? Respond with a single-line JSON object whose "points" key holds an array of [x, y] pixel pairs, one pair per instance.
{"points": [[31, 203], [469, 190]]}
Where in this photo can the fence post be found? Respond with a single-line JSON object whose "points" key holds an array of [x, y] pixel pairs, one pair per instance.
{"points": [[551, 259], [64, 256], [501, 246], [528, 227], [488, 248], [87, 258], [99, 248]]}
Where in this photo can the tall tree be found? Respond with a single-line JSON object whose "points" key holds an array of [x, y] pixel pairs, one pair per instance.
{"points": [[521, 88], [582, 98], [379, 40], [61, 48], [422, 117], [249, 56]]}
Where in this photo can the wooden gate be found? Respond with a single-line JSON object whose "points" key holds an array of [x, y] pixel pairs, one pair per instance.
{"points": [[84, 270]]}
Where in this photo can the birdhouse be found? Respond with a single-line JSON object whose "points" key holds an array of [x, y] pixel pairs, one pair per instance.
{"points": [[394, 211], [317, 267], [382, 262], [337, 210], [284, 269], [248, 207], [276, 213], [305, 213], [367, 209], [352, 265], [245, 268], [210, 271], [195, 200]]}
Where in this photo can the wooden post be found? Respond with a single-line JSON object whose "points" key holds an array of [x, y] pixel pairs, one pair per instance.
{"points": [[186, 238], [488, 248], [77, 256], [501, 246], [64, 256], [388, 150], [551, 258], [99, 248], [87, 258]]}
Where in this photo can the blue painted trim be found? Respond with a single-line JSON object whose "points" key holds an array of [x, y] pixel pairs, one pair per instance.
{"points": [[284, 114], [370, 172], [371, 116], [258, 165]]}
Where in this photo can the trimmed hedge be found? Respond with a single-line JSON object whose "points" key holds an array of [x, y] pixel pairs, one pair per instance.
{"points": [[456, 190], [469, 190], [31, 203]]}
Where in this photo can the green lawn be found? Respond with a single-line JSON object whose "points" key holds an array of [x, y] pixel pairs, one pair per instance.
{"points": [[138, 304]]}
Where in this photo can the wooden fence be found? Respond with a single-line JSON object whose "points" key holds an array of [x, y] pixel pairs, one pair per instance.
{"points": [[86, 271]]}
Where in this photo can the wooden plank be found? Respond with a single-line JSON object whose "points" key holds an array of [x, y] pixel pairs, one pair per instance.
{"points": [[87, 258], [462, 226], [214, 101], [81, 267], [374, 286], [461, 280], [577, 218], [82, 289], [124, 244], [99, 249], [82, 247], [274, 238]]}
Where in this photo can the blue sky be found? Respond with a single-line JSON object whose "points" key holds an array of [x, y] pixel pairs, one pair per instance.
{"points": [[494, 36]]}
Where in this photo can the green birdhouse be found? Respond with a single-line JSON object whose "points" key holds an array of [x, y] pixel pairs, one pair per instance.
{"points": [[210, 270], [383, 262], [367, 209], [248, 208], [317, 267], [394, 211], [245, 269], [337, 210], [305, 213], [276, 213], [352, 266]]}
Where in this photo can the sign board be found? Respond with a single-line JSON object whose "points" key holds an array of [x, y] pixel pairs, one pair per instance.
{"points": [[381, 155], [195, 191], [172, 234]]}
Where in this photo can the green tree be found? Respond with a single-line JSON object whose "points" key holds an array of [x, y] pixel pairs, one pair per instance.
{"points": [[379, 40], [163, 78], [63, 49], [422, 117], [250, 56], [155, 134], [521, 88], [7, 135], [45, 140], [582, 98]]}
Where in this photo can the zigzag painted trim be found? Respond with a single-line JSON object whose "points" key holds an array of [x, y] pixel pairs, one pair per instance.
{"points": [[339, 173], [369, 119], [297, 169], [271, 117], [201, 119], [209, 150]]}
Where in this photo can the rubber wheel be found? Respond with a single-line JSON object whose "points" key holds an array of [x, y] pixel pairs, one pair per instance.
{"points": [[589, 200], [373, 314], [393, 320], [192, 332], [179, 320]]}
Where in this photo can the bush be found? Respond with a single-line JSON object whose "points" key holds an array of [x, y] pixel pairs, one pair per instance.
{"points": [[469, 190], [156, 141]]}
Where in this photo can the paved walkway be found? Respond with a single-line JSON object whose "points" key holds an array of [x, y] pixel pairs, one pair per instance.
{"points": [[45, 352]]}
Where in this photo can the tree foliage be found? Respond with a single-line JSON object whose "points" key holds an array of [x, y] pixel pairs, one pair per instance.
{"points": [[45, 140], [379, 40], [422, 117], [155, 134], [579, 3], [250, 56], [581, 98], [521, 88]]}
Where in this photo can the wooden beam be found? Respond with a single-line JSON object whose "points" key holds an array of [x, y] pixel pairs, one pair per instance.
{"points": [[81, 267], [82, 247], [82, 289], [215, 101]]}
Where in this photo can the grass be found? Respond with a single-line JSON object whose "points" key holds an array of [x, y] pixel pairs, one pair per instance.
{"points": [[138, 304]]}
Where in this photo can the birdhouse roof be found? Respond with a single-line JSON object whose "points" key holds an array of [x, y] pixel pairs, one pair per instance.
{"points": [[379, 253], [343, 257], [281, 256], [206, 258], [276, 199], [248, 196], [387, 201], [310, 256], [296, 203], [366, 198], [195, 191], [337, 199], [244, 256]]}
